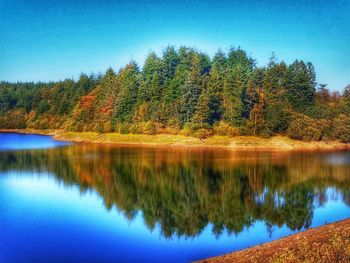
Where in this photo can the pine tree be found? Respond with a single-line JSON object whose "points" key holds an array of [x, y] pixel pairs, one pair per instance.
{"points": [[190, 92], [300, 85], [232, 96], [202, 111], [129, 80]]}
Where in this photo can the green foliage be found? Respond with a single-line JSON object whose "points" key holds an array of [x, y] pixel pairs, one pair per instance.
{"points": [[277, 117], [227, 94], [123, 128], [341, 126], [129, 80], [15, 120], [300, 85], [149, 128], [201, 131], [224, 129], [303, 127]]}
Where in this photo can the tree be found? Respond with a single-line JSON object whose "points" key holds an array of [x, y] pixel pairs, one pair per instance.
{"points": [[300, 85], [184, 89], [277, 117], [170, 60], [129, 80], [203, 110], [190, 92], [254, 102], [232, 96]]}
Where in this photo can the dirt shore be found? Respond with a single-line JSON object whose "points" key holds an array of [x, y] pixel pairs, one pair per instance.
{"points": [[329, 243], [280, 143]]}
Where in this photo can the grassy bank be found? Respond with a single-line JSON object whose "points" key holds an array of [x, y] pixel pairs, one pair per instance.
{"points": [[238, 143], [329, 243]]}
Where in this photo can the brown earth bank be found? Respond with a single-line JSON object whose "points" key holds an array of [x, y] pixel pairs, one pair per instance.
{"points": [[280, 143], [329, 243]]}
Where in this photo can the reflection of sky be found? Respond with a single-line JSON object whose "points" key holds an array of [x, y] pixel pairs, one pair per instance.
{"points": [[41, 219], [339, 158], [16, 141]]}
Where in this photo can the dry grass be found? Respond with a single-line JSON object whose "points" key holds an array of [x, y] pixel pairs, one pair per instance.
{"points": [[335, 249], [327, 244], [237, 143]]}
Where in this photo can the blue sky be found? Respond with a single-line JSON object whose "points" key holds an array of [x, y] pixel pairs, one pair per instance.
{"points": [[52, 40]]}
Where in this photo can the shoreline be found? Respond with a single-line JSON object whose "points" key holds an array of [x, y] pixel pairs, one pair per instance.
{"points": [[241, 143], [327, 242]]}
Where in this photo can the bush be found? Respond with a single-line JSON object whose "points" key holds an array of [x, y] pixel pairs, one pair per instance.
{"points": [[266, 133], [136, 128], [202, 133], [14, 120], [304, 128], [187, 130], [173, 124], [244, 131], [277, 117], [123, 128], [341, 128], [102, 126], [325, 127], [224, 129], [198, 130], [149, 128]]}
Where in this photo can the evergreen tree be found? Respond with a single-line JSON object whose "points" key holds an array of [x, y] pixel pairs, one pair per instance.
{"points": [[232, 96], [300, 85], [129, 80], [183, 86], [191, 91]]}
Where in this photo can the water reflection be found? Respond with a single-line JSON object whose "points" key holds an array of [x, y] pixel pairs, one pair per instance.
{"points": [[183, 191], [18, 141]]}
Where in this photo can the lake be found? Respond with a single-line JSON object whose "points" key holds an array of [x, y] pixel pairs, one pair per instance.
{"points": [[62, 202]]}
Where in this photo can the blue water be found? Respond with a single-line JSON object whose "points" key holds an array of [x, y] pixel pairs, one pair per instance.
{"points": [[48, 215], [17, 141]]}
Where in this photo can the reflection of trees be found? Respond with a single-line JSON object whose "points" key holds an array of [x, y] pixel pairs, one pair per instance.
{"points": [[183, 191]]}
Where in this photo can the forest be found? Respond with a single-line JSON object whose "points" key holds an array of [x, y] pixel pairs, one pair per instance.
{"points": [[184, 91]]}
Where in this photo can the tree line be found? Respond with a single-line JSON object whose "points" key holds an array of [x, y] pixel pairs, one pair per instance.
{"points": [[184, 91]]}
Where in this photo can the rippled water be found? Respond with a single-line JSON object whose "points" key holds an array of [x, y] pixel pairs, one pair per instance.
{"points": [[90, 203]]}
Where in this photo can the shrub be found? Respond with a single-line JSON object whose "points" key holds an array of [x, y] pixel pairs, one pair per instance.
{"points": [[223, 128], [149, 128], [102, 126], [341, 128], [187, 130], [325, 128], [198, 130], [15, 120], [266, 133], [124, 128], [244, 131], [202, 133], [136, 128], [173, 124], [277, 117], [304, 128]]}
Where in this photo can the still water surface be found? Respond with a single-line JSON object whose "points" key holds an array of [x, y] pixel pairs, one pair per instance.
{"points": [[91, 203]]}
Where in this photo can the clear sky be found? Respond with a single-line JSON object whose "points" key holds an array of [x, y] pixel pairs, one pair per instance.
{"points": [[44, 40]]}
